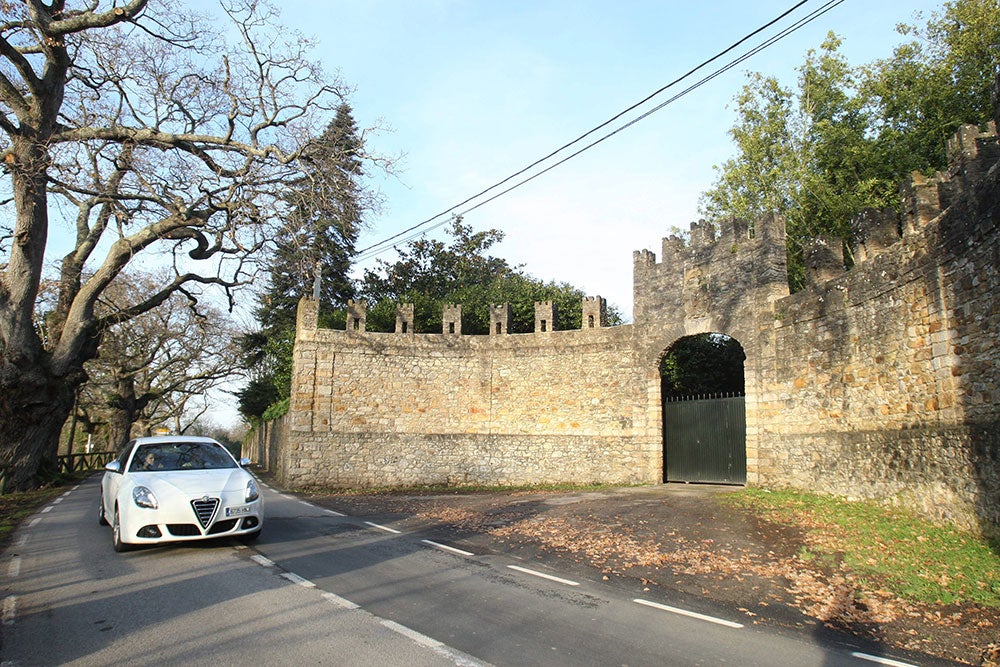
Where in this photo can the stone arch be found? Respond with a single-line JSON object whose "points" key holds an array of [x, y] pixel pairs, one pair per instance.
{"points": [[703, 409]]}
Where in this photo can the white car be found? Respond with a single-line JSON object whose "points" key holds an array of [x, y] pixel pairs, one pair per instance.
{"points": [[177, 488]]}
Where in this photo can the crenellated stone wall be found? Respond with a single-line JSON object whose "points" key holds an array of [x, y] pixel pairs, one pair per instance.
{"points": [[374, 409], [878, 382]]}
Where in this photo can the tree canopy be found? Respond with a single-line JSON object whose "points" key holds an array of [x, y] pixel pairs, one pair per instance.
{"points": [[325, 213], [431, 273], [173, 138], [703, 364], [846, 137]]}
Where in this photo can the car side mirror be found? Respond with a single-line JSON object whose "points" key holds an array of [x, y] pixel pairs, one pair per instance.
{"points": [[114, 466], [244, 462]]}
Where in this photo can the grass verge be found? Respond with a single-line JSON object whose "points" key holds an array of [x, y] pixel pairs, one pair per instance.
{"points": [[887, 547]]}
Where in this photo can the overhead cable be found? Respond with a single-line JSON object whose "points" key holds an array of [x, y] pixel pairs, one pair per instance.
{"points": [[385, 244]]}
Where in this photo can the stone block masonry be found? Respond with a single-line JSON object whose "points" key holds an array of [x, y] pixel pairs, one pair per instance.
{"points": [[878, 382], [372, 409]]}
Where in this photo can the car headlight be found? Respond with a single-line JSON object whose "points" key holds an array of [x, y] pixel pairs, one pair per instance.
{"points": [[252, 492], [143, 497]]}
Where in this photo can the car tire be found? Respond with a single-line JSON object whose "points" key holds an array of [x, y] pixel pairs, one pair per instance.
{"points": [[101, 519], [116, 535]]}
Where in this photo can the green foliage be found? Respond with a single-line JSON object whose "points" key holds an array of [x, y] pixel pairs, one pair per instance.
{"points": [[323, 217], [846, 137], [890, 547], [703, 364], [254, 399], [430, 274], [279, 409]]}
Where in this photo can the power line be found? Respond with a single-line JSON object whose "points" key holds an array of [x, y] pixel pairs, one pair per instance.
{"points": [[385, 244]]}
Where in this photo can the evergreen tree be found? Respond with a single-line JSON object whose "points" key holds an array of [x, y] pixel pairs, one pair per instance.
{"points": [[325, 211], [324, 219]]}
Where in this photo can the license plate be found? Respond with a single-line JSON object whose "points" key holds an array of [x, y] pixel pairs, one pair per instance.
{"points": [[236, 511]]}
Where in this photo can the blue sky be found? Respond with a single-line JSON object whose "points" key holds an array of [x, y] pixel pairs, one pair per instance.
{"points": [[475, 91]]}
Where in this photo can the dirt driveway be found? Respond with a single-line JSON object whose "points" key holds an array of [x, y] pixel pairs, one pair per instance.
{"points": [[686, 540]]}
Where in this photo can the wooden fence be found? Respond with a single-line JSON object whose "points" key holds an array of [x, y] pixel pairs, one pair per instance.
{"points": [[82, 462]]}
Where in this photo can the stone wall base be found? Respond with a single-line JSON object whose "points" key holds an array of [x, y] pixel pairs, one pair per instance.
{"points": [[942, 473], [370, 460]]}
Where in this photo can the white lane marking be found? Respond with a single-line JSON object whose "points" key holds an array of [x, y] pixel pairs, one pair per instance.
{"points": [[691, 614], [68, 492], [332, 513], [543, 575], [306, 504], [445, 547], [882, 661], [385, 528], [340, 602], [456, 656], [59, 499], [46, 510], [418, 637], [20, 541], [14, 569], [9, 610], [34, 522], [262, 560], [296, 579]]}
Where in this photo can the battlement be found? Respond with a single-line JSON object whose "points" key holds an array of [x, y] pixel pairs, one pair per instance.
{"points": [[734, 254], [709, 241], [972, 152], [593, 312]]}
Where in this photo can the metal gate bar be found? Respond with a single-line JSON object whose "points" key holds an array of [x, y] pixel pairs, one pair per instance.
{"points": [[705, 440]]}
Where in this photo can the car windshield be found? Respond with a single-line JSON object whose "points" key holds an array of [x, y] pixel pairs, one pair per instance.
{"points": [[166, 456]]}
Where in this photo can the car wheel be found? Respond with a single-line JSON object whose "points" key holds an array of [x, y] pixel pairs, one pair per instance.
{"points": [[101, 519], [116, 535]]}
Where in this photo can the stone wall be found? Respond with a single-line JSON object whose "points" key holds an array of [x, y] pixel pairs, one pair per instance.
{"points": [[376, 409], [885, 382], [880, 382]]}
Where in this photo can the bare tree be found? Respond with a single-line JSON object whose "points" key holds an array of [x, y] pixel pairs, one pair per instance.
{"points": [[152, 369], [167, 143]]}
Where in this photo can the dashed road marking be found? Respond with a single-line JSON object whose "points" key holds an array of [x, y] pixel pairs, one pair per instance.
{"points": [[880, 660], [296, 579], [445, 547], [262, 560], [459, 658], [691, 614], [46, 510], [14, 568], [332, 513], [543, 575], [340, 602], [9, 613], [385, 528]]}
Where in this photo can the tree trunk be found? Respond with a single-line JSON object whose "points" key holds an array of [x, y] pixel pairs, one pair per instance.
{"points": [[123, 412], [33, 410]]}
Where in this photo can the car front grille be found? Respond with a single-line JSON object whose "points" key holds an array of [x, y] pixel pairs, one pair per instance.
{"points": [[183, 529], [223, 526], [204, 509]]}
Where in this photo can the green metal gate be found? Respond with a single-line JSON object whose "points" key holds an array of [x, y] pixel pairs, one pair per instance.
{"points": [[704, 440]]}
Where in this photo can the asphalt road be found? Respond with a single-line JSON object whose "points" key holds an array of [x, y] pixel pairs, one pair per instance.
{"points": [[323, 588]]}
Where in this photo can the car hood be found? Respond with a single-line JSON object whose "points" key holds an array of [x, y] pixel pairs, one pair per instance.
{"points": [[194, 483]]}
